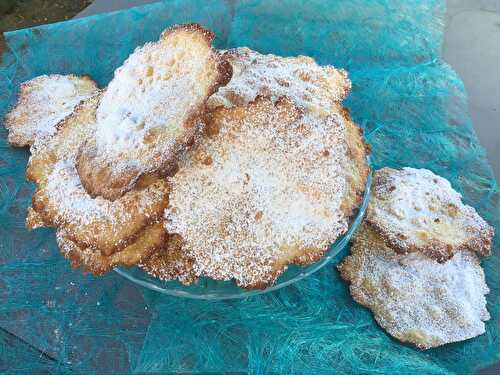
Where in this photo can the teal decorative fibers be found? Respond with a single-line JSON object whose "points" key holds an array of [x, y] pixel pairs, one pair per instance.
{"points": [[413, 108]]}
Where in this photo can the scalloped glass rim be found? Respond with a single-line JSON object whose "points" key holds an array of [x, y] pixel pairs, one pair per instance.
{"points": [[209, 289]]}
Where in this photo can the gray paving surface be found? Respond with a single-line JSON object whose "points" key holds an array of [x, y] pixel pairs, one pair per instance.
{"points": [[472, 47]]}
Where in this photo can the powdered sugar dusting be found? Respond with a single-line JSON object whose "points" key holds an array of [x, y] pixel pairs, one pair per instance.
{"points": [[62, 201], [309, 84], [45, 101], [145, 109], [268, 186], [416, 209], [171, 263], [74, 204], [131, 106], [85, 256], [102, 222], [415, 298]]}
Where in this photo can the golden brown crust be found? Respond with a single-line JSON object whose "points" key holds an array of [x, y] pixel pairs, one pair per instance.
{"points": [[150, 240], [415, 210], [118, 185], [171, 263], [61, 201], [260, 192], [357, 168], [224, 68], [34, 220], [435, 249], [42, 103], [108, 175]]}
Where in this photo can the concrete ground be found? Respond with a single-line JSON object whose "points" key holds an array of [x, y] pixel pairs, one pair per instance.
{"points": [[471, 46]]}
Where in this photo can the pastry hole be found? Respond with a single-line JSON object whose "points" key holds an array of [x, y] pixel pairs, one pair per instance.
{"points": [[258, 216], [208, 160]]}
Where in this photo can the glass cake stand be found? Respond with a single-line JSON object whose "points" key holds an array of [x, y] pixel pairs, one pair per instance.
{"points": [[209, 289]]}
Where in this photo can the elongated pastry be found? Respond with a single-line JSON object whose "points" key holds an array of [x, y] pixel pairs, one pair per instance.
{"points": [[150, 110]]}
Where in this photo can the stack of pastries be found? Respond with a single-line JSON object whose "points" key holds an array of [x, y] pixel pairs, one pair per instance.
{"points": [[193, 161], [233, 165], [416, 259]]}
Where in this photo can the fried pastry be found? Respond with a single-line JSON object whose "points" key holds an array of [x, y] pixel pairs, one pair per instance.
{"points": [[150, 110], [414, 298], [264, 189], [43, 102], [34, 220], [415, 210], [151, 240], [96, 224], [310, 85], [171, 263], [316, 88]]}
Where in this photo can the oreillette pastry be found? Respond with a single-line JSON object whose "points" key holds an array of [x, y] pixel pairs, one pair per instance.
{"points": [[413, 297], [416, 210], [151, 110], [263, 189], [42, 103]]}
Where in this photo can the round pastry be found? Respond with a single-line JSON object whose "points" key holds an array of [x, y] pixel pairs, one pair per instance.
{"points": [[413, 297], [416, 210], [265, 188]]}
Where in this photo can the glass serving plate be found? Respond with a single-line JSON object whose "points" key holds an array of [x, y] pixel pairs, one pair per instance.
{"points": [[210, 289]]}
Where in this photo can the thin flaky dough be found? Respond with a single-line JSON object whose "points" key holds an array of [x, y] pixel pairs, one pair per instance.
{"points": [[43, 102], [150, 110], [416, 210], [414, 298], [152, 240], [312, 86], [171, 263], [61, 201], [263, 190]]}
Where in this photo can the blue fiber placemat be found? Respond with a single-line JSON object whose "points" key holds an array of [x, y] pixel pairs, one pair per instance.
{"points": [[413, 108]]}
